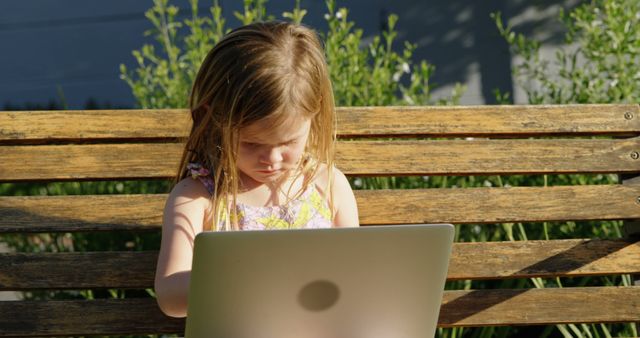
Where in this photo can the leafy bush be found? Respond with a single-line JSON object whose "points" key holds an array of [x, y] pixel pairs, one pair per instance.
{"points": [[599, 64], [369, 75]]}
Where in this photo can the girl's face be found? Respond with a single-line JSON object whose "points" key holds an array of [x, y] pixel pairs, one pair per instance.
{"points": [[266, 153]]}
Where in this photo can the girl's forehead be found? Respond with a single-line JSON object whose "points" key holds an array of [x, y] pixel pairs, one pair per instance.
{"points": [[265, 131]]}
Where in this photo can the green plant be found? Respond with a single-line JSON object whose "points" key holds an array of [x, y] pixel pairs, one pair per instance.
{"points": [[600, 62], [369, 75], [163, 81], [372, 75]]}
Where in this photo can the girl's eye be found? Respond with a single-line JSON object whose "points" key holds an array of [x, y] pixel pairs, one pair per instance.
{"points": [[291, 143]]}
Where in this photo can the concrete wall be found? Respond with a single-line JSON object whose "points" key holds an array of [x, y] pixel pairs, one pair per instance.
{"points": [[73, 48]]}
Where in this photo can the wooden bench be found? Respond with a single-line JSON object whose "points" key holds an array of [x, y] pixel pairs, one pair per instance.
{"points": [[60, 146]]}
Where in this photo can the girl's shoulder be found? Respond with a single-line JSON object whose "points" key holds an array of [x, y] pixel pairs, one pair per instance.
{"points": [[345, 205], [189, 189], [194, 189], [188, 201], [321, 178]]}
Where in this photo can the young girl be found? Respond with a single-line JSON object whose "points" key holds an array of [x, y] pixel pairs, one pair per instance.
{"points": [[260, 152]]}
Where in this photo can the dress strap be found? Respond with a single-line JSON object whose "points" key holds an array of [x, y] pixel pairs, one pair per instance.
{"points": [[197, 171]]}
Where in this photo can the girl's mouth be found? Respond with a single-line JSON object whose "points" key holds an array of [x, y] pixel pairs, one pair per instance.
{"points": [[268, 172]]}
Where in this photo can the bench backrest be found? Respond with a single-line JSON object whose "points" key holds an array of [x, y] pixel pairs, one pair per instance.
{"points": [[58, 146]]}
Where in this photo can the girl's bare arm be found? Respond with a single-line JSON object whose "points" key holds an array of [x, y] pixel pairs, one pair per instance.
{"points": [[183, 219]]}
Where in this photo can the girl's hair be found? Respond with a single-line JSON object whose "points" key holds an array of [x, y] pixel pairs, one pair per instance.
{"points": [[269, 72]]}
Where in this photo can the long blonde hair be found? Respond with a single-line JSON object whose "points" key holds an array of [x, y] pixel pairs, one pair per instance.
{"points": [[268, 71]]}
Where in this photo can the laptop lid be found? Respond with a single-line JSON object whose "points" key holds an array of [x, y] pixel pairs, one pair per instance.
{"points": [[376, 281]]}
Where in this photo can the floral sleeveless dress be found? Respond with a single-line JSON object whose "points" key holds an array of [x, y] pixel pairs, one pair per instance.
{"points": [[309, 210]]}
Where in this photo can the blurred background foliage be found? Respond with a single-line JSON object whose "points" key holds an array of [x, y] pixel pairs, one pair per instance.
{"points": [[598, 64]]}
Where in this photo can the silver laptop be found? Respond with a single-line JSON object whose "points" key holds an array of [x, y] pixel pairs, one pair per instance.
{"points": [[367, 282]]}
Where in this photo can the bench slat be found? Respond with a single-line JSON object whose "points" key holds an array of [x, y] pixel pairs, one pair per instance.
{"points": [[76, 213], [489, 260], [497, 205], [516, 120], [479, 156], [93, 124], [552, 258], [90, 270], [540, 306], [352, 121], [82, 317], [460, 308], [82, 162], [480, 205], [381, 158]]}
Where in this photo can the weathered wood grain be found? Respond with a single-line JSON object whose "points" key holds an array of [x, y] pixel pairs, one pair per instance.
{"points": [[517, 120], [495, 205], [23, 271], [470, 205], [81, 213], [477, 156], [459, 308], [540, 306], [553, 258], [623, 119], [93, 124], [83, 162], [379, 158], [81, 317], [488, 260]]}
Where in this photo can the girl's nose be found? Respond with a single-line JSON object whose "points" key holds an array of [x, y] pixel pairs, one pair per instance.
{"points": [[272, 155]]}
